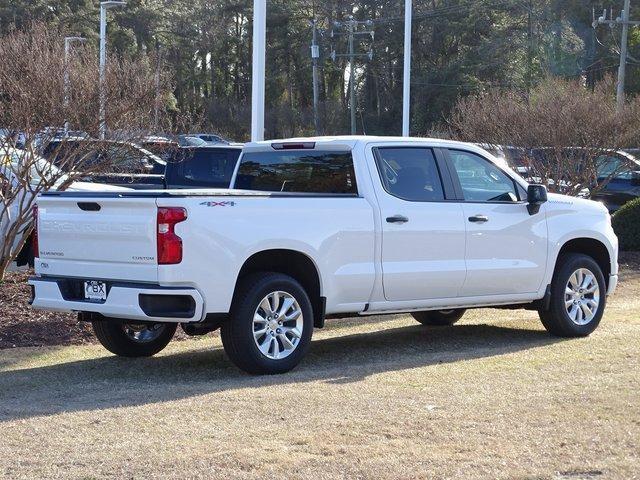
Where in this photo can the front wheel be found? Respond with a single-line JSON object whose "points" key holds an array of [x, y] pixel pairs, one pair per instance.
{"points": [[133, 339], [578, 297], [439, 318], [270, 327]]}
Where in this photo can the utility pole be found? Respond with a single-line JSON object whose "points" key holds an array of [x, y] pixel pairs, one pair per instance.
{"points": [[104, 6], [67, 80], [623, 20], [623, 56], [352, 30], [315, 54]]}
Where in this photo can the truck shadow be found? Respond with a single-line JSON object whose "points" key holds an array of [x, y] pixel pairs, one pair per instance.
{"points": [[108, 382]]}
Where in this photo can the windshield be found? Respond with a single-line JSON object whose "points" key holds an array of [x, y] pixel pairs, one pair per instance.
{"points": [[39, 168], [614, 167], [116, 157]]}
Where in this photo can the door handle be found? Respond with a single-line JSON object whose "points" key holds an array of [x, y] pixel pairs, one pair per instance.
{"points": [[479, 218], [397, 219]]}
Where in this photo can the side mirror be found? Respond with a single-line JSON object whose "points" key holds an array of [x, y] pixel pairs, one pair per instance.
{"points": [[635, 178], [536, 196]]}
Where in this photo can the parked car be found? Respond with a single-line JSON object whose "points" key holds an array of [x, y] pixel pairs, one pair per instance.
{"points": [[11, 138], [129, 165], [209, 137], [187, 141], [163, 147], [321, 227], [11, 164], [623, 168], [202, 167], [618, 175]]}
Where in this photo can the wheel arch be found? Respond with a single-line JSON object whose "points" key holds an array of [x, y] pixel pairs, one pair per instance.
{"points": [[297, 265], [593, 248]]}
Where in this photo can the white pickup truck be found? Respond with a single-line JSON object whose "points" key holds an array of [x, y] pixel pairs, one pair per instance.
{"points": [[318, 227]]}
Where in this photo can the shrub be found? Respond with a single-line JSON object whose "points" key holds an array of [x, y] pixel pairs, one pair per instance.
{"points": [[561, 129], [626, 223]]}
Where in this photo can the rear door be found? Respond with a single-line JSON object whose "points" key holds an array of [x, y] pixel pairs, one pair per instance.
{"points": [[506, 248], [423, 237]]}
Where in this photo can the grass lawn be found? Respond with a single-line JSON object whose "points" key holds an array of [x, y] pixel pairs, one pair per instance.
{"points": [[492, 397]]}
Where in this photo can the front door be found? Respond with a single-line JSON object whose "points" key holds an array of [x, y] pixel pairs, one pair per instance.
{"points": [[423, 231], [506, 247]]}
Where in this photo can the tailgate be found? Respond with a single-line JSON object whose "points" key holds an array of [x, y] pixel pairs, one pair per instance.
{"points": [[97, 237]]}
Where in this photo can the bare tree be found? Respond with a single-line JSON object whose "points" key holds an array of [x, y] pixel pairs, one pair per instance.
{"points": [[33, 111], [559, 132]]}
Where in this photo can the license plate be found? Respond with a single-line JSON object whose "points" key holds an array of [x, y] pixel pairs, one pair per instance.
{"points": [[94, 290]]}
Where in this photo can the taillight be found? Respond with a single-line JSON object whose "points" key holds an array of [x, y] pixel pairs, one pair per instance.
{"points": [[169, 244], [34, 237]]}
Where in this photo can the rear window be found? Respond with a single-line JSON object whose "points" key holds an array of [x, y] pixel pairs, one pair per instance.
{"points": [[202, 168], [298, 171]]}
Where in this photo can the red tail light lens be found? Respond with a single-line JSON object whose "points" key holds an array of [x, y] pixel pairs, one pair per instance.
{"points": [[34, 234], [169, 244]]}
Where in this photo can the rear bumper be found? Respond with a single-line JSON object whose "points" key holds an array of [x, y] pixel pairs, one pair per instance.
{"points": [[124, 300]]}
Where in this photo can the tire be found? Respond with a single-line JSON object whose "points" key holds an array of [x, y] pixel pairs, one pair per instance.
{"points": [[560, 319], [252, 337], [439, 318], [131, 339]]}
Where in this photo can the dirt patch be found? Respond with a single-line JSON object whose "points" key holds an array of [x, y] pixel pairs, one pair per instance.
{"points": [[629, 263], [23, 326]]}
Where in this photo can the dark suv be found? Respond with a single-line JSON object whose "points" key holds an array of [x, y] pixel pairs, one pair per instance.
{"points": [[202, 167], [624, 185], [622, 168]]}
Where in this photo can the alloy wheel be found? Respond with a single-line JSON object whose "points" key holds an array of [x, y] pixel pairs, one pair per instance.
{"points": [[277, 325], [582, 296]]}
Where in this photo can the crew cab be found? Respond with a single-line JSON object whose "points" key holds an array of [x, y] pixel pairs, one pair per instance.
{"points": [[319, 227]]}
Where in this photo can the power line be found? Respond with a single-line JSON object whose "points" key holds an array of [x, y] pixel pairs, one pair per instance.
{"points": [[433, 13]]}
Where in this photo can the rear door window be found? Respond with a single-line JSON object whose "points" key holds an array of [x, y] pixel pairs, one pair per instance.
{"points": [[410, 173], [298, 171]]}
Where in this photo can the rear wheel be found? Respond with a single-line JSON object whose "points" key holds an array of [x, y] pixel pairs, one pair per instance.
{"points": [[578, 297], [133, 339], [440, 318], [270, 327]]}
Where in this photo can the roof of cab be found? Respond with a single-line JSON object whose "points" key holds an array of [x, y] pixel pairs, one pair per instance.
{"points": [[352, 140]]}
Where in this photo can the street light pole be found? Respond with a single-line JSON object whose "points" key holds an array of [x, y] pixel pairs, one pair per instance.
{"points": [[68, 41], [352, 85], [406, 81], [104, 6], [258, 69]]}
